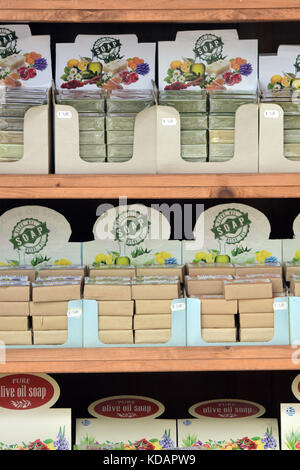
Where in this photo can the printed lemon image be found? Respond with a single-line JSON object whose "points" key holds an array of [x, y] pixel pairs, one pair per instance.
{"points": [[296, 258], [63, 262], [206, 257], [161, 257], [262, 256], [102, 258]]}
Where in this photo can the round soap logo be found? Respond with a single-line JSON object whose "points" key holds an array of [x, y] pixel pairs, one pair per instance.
{"points": [[209, 48], [131, 227], [231, 226], [31, 235], [126, 407], [107, 49], [227, 409], [8, 42]]}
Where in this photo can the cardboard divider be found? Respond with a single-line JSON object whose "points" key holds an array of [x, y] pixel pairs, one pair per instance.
{"points": [[36, 156], [75, 330], [67, 155], [281, 325], [91, 335], [271, 142], [245, 159]]}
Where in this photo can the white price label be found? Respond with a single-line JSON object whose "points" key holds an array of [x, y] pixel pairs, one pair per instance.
{"points": [[74, 312], [178, 306], [169, 121], [271, 114], [280, 305], [64, 114]]}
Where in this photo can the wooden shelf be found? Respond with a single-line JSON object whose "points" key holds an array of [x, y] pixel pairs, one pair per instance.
{"points": [[149, 11], [150, 359], [223, 186]]}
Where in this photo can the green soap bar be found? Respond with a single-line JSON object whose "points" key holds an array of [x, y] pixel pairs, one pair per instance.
{"points": [[288, 106], [193, 137], [92, 137], [89, 151], [193, 121], [11, 123], [291, 121], [127, 106], [185, 105], [11, 137], [221, 121], [293, 159], [195, 159], [118, 159], [15, 110], [94, 159], [292, 150], [219, 159], [119, 137], [11, 151], [120, 122], [221, 150], [292, 136], [221, 136], [228, 105], [84, 105], [193, 151], [114, 150], [94, 122]]}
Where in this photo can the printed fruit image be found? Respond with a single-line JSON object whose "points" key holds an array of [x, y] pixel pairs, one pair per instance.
{"points": [[276, 79], [122, 261], [198, 69], [72, 63], [95, 68], [175, 64], [295, 83], [222, 259]]}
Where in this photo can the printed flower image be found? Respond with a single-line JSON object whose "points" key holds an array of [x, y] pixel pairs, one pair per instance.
{"points": [[16, 68], [292, 440], [209, 257], [60, 443], [165, 258], [112, 75], [285, 81], [262, 256], [63, 262], [108, 258], [296, 258], [218, 75]]}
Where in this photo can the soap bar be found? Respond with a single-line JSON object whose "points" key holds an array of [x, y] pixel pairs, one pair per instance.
{"points": [[193, 121], [220, 151], [163, 270], [276, 279], [116, 336], [12, 62], [221, 104], [221, 136], [50, 270], [25, 270], [118, 159], [120, 122], [210, 284], [146, 307], [218, 321], [92, 151], [210, 268], [218, 67], [15, 109], [49, 308], [292, 136], [16, 337], [84, 105], [46, 322], [288, 107], [243, 269], [194, 151], [116, 307], [112, 270], [90, 122], [152, 336], [291, 268], [92, 137], [257, 320], [222, 121], [50, 336], [217, 305], [134, 106], [152, 322], [120, 137], [219, 335], [15, 309], [119, 151], [11, 123], [185, 105], [248, 289], [10, 152], [13, 323], [114, 322], [198, 137], [107, 288], [292, 150], [291, 121], [256, 306], [256, 334]]}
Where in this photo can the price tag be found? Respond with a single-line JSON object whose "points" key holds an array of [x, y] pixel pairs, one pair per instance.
{"points": [[280, 305], [169, 121], [271, 114], [178, 306], [74, 312], [64, 114]]}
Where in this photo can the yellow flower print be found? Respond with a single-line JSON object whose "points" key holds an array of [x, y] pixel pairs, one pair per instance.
{"points": [[100, 258], [260, 258], [266, 254], [200, 256], [51, 446], [159, 259], [110, 259], [63, 262], [210, 258], [297, 254]]}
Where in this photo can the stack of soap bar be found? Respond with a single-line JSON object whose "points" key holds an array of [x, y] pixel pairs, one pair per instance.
{"points": [[210, 284], [13, 105], [153, 297], [161, 270], [222, 109], [112, 271], [50, 296], [90, 107], [20, 270], [290, 268], [14, 310], [295, 285], [115, 307], [192, 107], [122, 108], [204, 269], [218, 319], [52, 270]]}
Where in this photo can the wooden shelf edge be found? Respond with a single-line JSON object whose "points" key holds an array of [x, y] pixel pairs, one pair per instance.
{"points": [[169, 359]]}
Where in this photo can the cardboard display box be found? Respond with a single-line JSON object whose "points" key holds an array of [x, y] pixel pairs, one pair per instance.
{"points": [[256, 334], [154, 290], [152, 336], [147, 307], [107, 292], [16, 337], [256, 305], [218, 321], [48, 308], [219, 335], [152, 322], [116, 336], [47, 292], [164, 270], [248, 289], [107, 270], [115, 307], [217, 305], [15, 293], [114, 323], [206, 284], [276, 279], [68, 270], [206, 269], [50, 337], [15, 309], [50, 322], [266, 268], [257, 320], [14, 323], [28, 271]]}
